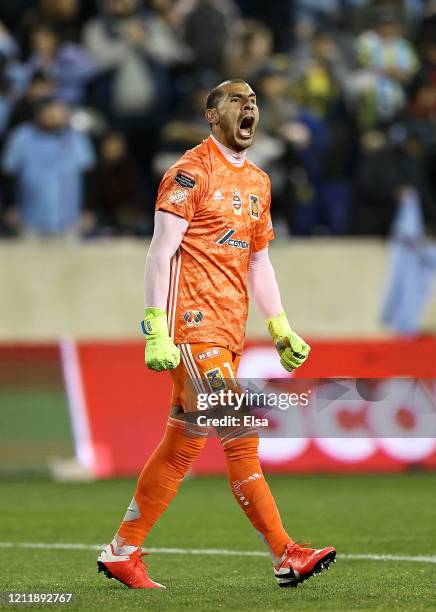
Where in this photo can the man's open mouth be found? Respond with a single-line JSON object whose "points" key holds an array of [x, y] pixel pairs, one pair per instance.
{"points": [[246, 127]]}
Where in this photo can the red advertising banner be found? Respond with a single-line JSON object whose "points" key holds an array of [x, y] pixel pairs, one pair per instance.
{"points": [[119, 408]]}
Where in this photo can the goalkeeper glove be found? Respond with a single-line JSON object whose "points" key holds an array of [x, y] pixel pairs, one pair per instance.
{"points": [[292, 349], [160, 353]]}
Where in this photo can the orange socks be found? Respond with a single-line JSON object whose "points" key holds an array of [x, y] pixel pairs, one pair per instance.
{"points": [[252, 492], [161, 477], [160, 480]]}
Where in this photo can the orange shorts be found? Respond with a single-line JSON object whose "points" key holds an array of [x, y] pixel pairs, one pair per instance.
{"points": [[203, 368]]}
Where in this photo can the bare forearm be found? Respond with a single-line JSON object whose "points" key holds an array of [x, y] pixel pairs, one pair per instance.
{"points": [[156, 280], [168, 234], [263, 285]]}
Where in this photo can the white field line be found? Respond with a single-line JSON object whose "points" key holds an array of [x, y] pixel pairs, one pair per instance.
{"points": [[213, 551], [77, 402]]}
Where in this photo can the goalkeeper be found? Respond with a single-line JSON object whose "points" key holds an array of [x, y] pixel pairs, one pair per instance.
{"points": [[210, 244]]}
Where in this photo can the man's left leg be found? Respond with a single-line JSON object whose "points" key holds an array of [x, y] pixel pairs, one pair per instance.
{"points": [[251, 490], [215, 367], [292, 563]]}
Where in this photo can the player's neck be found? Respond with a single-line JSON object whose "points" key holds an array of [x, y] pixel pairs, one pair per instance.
{"points": [[234, 157]]}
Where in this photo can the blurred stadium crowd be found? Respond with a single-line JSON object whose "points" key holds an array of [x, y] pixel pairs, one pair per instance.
{"points": [[99, 97]]}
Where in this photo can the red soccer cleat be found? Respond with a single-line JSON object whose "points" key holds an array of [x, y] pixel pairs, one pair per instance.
{"points": [[299, 564], [128, 569]]}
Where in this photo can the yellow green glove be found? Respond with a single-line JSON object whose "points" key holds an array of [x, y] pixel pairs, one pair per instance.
{"points": [[292, 349], [160, 353]]}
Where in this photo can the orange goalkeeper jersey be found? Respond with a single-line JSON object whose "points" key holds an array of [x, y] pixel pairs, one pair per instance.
{"points": [[228, 210]]}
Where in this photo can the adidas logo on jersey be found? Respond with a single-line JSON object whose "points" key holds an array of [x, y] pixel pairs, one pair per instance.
{"points": [[217, 195]]}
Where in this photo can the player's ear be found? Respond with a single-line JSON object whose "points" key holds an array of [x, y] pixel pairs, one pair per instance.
{"points": [[212, 116]]}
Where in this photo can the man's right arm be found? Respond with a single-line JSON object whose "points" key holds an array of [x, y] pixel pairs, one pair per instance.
{"points": [[161, 353], [168, 234]]}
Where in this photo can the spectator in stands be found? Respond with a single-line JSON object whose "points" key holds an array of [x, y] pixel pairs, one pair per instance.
{"points": [[6, 102], [422, 109], [412, 266], [319, 78], [11, 12], [117, 193], [427, 18], [40, 87], [249, 51], [187, 128], [320, 74], [164, 24], [415, 171], [68, 63], [304, 137], [376, 185], [330, 107], [8, 50], [61, 15], [274, 93], [209, 28], [8, 47], [387, 63], [276, 16], [59, 12], [334, 15], [48, 159], [133, 86]]}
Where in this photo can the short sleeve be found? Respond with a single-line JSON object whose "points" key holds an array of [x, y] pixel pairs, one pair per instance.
{"points": [[264, 232], [179, 192]]}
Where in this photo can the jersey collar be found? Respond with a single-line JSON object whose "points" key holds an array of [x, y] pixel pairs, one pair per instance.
{"points": [[228, 156]]}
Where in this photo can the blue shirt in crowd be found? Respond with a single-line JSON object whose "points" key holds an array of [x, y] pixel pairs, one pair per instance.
{"points": [[49, 169], [412, 268]]}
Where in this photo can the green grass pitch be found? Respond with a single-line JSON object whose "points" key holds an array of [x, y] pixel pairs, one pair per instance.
{"points": [[358, 514]]}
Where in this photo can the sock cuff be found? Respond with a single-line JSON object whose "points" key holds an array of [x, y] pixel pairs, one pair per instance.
{"points": [[246, 436], [187, 429]]}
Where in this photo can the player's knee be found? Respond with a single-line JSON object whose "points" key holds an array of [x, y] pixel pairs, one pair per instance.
{"points": [[186, 453]]}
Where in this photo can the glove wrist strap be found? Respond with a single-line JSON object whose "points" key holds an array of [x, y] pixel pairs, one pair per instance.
{"points": [[278, 326], [155, 323]]}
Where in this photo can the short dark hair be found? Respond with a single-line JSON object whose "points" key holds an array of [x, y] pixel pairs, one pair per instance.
{"points": [[216, 93]]}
